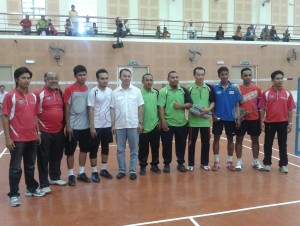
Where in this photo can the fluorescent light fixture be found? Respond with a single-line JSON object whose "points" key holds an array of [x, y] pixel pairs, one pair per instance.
{"points": [[30, 61]]}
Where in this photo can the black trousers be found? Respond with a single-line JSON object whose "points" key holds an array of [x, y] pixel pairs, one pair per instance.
{"points": [[205, 144], [49, 155], [270, 130], [152, 138], [180, 143], [27, 151]]}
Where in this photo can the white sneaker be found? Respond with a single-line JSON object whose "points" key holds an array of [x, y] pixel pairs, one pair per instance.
{"points": [[58, 182], [283, 169], [268, 168], [190, 168], [47, 190], [206, 168], [239, 165], [256, 164], [15, 201], [37, 193]]}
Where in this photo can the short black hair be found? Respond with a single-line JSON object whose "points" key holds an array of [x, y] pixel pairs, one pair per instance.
{"points": [[79, 68], [102, 70], [221, 69], [245, 69], [198, 68], [146, 75], [20, 71], [124, 69], [278, 72], [2, 86], [171, 72]]}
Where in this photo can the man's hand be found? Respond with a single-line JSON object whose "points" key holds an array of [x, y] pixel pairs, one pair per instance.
{"points": [[9, 144], [140, 128], [164, 126], [93, 133], [69, 132], [262, 126], [289, 128]]}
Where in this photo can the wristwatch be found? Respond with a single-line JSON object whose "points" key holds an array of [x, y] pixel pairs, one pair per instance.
{"points": [[290, 124]]}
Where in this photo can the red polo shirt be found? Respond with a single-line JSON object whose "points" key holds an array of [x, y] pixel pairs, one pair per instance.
{"points": [[21, 110], [277, 104], [251, 96], [50, 105]]}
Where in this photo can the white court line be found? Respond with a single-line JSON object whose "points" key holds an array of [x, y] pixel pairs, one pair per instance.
{"points": [[217, 213], [193, 221], [276, 149], [3, 152]]}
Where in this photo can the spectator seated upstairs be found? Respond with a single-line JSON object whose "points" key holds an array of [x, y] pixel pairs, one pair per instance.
{"points": [[191, 31], [42, 26], [26, 25], [220, 34]]}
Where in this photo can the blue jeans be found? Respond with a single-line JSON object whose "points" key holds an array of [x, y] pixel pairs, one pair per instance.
{"points": [[132, 135], [27, 150]]}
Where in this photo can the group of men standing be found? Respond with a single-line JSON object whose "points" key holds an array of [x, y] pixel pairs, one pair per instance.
{"points": [[44, 123]]}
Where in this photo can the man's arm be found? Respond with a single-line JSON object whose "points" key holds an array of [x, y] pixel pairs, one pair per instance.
{"points": [[140, 115], [113, 119], [91, 120], [38, 130], [69, 131], [290, 116], [164, 125], [262, 118], [9, 142], [182, 106]]}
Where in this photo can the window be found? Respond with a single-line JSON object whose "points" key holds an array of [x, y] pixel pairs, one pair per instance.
{"points": [[37, 7]]}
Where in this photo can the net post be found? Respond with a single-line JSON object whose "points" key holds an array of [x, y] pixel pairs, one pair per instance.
{"points": [[297, 119]]}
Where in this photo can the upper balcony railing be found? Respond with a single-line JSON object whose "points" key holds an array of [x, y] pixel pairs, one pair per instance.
{"points": [[143, 28]]}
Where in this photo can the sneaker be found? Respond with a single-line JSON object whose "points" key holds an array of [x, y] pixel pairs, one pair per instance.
{"points": [[37, 193], [57, 182], [230, 166], [120, 175], [132, 176], [239, 165], [216, 166], [143, 171], [47, 190], [106, 174], [256, 164], [95, 177], [155, 169], [71, 180], [82, 177], [190, 168], [283, 169], [166, 169], [181, 168], [206, 168], [15, 201], [268, 168]]}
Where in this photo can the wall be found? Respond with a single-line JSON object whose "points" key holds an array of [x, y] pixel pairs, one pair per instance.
{"points": [[161, 56]]}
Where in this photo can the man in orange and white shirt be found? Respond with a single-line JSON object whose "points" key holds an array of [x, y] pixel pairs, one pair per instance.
{"points": [[251, 94]]}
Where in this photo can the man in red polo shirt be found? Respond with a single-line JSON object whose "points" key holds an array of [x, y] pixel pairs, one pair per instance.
{"points": [[21, 135], [26, 25], [50, 151], [276, 115]]}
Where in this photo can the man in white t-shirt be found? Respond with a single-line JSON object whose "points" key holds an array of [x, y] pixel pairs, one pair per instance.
{"points": [[2, 95], [100, 121], [192, 31], [127, 121]]}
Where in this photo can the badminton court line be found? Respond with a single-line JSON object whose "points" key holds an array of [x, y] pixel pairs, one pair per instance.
{"points": [[217, 213]]}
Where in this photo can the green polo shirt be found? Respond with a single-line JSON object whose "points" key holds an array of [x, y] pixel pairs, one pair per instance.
{"points": [[42, 23], [167, 98], [200, 96], [150, 112]]}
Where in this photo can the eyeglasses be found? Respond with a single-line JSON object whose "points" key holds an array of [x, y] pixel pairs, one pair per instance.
{"points": [[53, 79]]}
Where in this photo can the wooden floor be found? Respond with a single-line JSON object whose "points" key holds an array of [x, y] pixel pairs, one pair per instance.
{"points": [[201, 198]]}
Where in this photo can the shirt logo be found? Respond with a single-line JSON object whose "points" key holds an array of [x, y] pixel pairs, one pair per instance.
{"points": [[48, 98], [272, 97], [219, 92], [231, 92], [20, 101]]}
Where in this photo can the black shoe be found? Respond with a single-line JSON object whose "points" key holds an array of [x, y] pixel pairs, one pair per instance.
{"points": [[132, 176], [155, 169], [82, 177], [120, 175], [143, 171], [71, 180], [106, 174], [166, 169], [95, 177], [181, 168]]}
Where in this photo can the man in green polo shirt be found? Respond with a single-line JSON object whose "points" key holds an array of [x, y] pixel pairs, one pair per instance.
{"points": [[151, 133], [203, 98], [42, 25], [173, 100]]}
